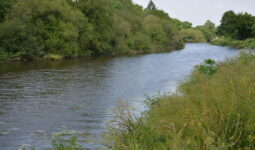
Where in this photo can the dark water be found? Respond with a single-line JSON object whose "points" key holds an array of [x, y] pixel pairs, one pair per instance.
{"points": [[48, 97]]}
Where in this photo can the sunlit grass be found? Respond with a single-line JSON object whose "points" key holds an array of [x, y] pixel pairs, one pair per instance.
{"points": [[53, 57], [213, 112]]}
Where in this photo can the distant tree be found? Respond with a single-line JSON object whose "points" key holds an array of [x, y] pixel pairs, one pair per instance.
{"points": [[181, 24], [208, 29], [192, 36], [151, 6], [237, 26]]}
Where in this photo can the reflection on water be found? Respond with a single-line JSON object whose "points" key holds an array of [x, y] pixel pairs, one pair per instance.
{"points": [[41, 98]]}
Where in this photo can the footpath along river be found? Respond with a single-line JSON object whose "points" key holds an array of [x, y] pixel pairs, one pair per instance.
{"points": [[41, 98]]}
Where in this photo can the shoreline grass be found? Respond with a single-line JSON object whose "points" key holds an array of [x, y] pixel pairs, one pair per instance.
{"points": [[213, 112], [240, 44]]}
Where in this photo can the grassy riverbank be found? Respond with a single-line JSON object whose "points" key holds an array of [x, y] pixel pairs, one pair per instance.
{"points": [[223, 41], [215, 110]]}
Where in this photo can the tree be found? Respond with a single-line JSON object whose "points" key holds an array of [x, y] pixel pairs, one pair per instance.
{"points": [[36, 28], [192, 36], [228, 24], [100, 15], [237, 26], [151, 6], [208, 29]]}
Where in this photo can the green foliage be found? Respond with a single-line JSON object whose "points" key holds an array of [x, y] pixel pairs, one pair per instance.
{"points": [[181, 25], [209, 67], [237, 26], [100, 15], [5, 6], [209, 114], [34, 28], [223, 41], [151, 6], [192, 36], [53, 57], [3, 55], [59, 143], [209, 30]]}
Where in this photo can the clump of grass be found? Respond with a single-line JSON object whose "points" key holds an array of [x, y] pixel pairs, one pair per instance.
{"points": [[209, 67], [60, 143], [215, 113], [3, 55], [53, 57]]}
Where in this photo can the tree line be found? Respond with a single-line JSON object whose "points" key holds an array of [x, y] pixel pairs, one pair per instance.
{"points": [[34, 28], [70, 28], [233, 26], [238, 26]]}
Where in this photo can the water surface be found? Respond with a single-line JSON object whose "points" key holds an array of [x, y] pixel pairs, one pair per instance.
{"points": [[41, 98]]}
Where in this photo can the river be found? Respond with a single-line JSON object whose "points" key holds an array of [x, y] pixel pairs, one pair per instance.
{"points": [[41, 98]]}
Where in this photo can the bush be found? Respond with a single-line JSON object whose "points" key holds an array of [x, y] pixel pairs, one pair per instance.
{"points": [[59, 143], [209, 67], [192, 36]]}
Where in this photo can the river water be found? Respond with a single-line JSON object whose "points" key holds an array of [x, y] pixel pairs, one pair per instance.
{"points": [[41, 98]]}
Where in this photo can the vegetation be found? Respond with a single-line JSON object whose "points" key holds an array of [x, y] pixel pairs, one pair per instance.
{"points": [[151, 6], [209, 67], [209, 30], [59, 143], [236, 30], [237, 26], [31, 29], [212, 111], [223, 41], [4, 8], [192, 36], [198, 34]]}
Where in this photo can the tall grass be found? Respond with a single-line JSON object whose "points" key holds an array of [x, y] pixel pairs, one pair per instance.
{"points": [[212, 112], [223, 41]]}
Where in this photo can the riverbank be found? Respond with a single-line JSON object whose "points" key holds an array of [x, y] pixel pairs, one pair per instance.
{"points": [[56, 57], [223, 41], [214, 111]]}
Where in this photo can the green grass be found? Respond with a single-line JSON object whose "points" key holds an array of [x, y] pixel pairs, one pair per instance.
{"points": [[210, 112], [53, 57], [222, 41]]}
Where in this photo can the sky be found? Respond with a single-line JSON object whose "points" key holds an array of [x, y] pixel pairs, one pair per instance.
{"points": [[199, 11]]}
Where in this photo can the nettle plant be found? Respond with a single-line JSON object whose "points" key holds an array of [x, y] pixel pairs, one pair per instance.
{"points": [[209, 67]]}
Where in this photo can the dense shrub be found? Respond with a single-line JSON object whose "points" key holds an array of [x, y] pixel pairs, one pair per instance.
{"points": [[192, 36], [34, 28], [209, 67]]}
